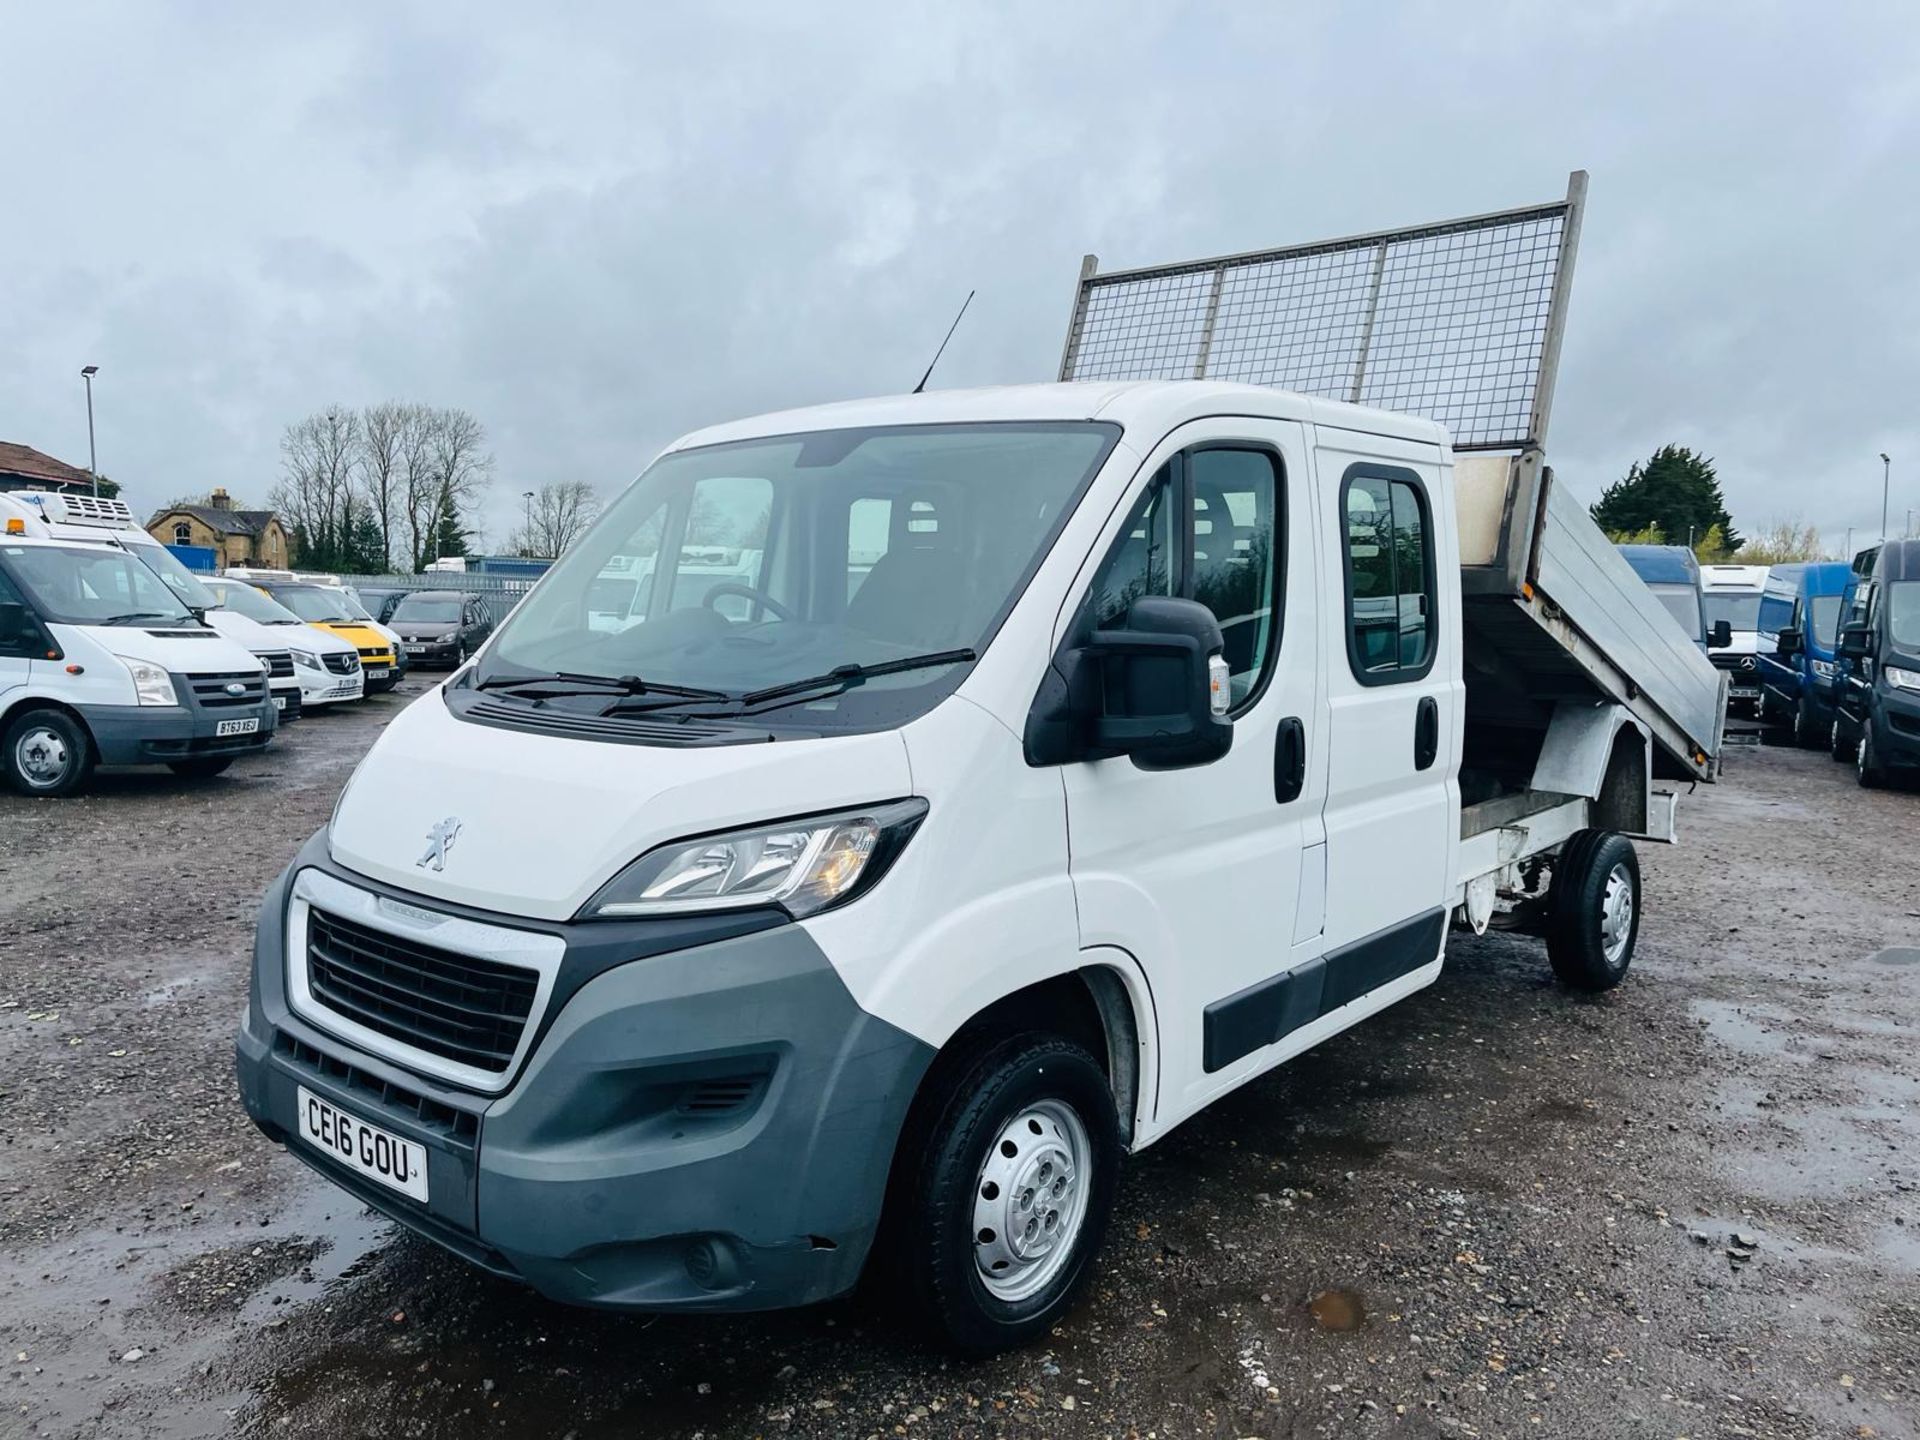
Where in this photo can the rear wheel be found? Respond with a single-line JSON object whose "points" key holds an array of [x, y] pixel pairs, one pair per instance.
{"points": [[1013, 1171], [1593, 910], [1838, 745], [48, 752], [201, 767]]}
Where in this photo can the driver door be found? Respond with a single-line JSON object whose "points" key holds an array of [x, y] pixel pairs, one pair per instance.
{"points": [[1212, 876]]}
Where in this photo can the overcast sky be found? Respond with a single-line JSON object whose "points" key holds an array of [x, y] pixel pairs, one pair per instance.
{"points": [[597, 227]]}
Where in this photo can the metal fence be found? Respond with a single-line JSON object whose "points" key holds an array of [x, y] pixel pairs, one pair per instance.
{"points": [[509, 587], [1458, 321]]}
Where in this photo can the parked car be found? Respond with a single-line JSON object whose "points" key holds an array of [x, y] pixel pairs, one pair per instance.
{"points": [[1877, 702], [442, 627], [1799, 626], [102, 664], [1732, 593], [379, 600], [325, 666], [325, 607], [1672, 573]]}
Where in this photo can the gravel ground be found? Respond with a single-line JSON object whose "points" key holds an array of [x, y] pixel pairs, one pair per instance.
{"points": [[1687, 1208]]}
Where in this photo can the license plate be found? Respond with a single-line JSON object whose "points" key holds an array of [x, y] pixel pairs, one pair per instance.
{"points": [[377, 674], [279, 702], [397, 1164], [416, 649], [238, 727]]}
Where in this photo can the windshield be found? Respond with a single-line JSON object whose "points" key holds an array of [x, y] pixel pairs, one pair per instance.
{"points": [[1826, 619], [1903, 614], [741, 567], [93, 587], [243, 599], [427, 607], [1683, 603], [182, 581], [1741, 612], [314, 602]]}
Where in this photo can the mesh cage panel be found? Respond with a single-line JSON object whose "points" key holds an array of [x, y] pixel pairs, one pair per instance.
{"points": [[1456, 321]]}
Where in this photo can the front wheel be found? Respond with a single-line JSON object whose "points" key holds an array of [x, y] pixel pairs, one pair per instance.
{"points": [[48, 752], [1804, 735], [1593, 910], [1867, 767], [1012, 1182], [201, 767]]}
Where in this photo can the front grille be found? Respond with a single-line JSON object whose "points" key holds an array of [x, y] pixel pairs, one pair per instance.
{"points": [[341, 664], [279, 664], [727, 1095], [460, 1126], [1739, 664], [457, 1007], [374, 655], [214, 692]]}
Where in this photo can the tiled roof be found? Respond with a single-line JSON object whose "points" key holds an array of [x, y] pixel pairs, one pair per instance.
{"points": [[43, 469], [224, 522]]}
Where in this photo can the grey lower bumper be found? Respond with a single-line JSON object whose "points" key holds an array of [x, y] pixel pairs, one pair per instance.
{"points": [[709, 1128], [156, 734]]}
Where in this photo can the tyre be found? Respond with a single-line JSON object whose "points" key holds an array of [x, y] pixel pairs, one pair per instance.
{"points": [[1011, 1178], [202, 767], [48, 752], [1804, 735], [1866, 767], [1593, 910], [1838, 746]]}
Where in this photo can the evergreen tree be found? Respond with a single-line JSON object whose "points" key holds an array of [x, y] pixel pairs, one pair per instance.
{"points": [[451, 537], [1677, 491]]}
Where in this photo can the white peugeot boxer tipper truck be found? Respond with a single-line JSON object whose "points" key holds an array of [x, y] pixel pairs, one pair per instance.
{"points": [[1074, 754]]}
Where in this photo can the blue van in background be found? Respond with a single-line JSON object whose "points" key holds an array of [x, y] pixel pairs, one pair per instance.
{"points": [[1673, 574], [1799, 627]]}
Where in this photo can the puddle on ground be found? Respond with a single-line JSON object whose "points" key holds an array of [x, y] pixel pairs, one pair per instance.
{"points": [[1758, 1029], [1338, 1310], [1896, 955]]}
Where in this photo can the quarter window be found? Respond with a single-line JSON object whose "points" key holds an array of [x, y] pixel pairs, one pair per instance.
{"points": [[1223, 551], [1391, 595]]}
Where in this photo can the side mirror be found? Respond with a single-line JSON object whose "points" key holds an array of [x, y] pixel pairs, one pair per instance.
{"points": [[1854, 643], [1721, 635], [1792, 642], [1155, 690]]}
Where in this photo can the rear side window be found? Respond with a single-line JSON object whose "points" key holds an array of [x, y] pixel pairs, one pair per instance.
{"points": [[1392, 600]]}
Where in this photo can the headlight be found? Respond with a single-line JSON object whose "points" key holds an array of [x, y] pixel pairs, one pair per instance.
{"points": [[1901, 679], [306, 659], [151, 683], [1823, 669], [803, 866]]}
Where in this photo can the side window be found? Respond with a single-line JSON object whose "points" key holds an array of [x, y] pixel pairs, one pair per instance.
{"points": [[18, 637], [1224, 553], [1237, 538], [1391, 600]]}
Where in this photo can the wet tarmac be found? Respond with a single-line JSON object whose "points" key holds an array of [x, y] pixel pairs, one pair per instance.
{"points": [[1687, 1208]]}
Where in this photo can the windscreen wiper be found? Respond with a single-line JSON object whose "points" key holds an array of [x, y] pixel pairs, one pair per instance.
{"points": [[568, 682], [134, 615], [845, 677]]}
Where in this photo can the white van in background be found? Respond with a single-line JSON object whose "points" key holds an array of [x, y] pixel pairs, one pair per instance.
{"points": [[1733, 593], [101, 663], [325, 667]]}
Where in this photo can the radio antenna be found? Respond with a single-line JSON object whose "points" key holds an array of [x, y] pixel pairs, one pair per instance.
{"points": [[943, 344]]}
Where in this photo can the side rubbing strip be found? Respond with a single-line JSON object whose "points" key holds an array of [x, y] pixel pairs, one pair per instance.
{"points": [[1263, 1013]]}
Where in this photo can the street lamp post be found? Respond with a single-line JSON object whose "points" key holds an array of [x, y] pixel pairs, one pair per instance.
{"points": [[527, 534], [1886, 489], [87, 372]]}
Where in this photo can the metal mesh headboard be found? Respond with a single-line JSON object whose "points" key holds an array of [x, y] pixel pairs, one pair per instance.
{"points": [[1458, 321]]}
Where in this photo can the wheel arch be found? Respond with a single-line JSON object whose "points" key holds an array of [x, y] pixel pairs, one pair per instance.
{"points": [[12, 710]]}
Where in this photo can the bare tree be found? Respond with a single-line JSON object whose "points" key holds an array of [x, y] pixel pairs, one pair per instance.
{"points": [[1782, 543], [444, 467], [384, 430], [560, 514], [315, 494]]}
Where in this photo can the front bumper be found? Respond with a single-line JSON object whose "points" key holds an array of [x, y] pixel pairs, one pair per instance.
{"points": [[1896, 728], [432, 652], [705, 1120], [326, 688], [157, 734]]}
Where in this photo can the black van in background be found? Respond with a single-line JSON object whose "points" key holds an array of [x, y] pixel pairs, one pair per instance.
{"points": [[1877, 692]]}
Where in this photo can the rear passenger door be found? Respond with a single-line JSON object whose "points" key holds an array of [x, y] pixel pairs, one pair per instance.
{"points": [[1394, 701]]}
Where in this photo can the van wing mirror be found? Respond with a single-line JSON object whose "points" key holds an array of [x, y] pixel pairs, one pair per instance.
{"points": [[1154, 689], [1853, 643], [1791, 642], [1721, 635]]}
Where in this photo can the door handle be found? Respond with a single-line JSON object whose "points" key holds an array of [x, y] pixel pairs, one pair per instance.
{"points": [[1426, 733], [1289, 760]]}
